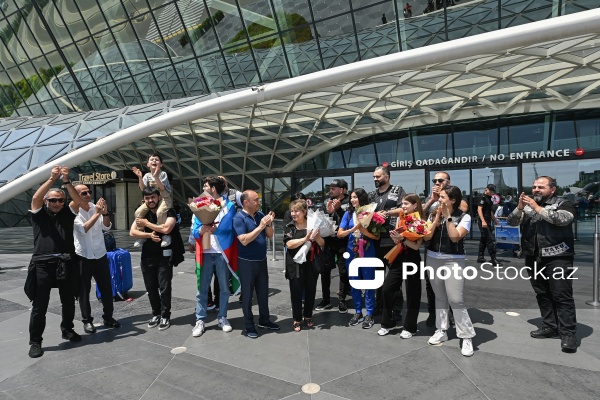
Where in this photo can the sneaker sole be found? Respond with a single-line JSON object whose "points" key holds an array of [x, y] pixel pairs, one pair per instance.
{"points": [[164, 328], [197, 335], [357, 322], [367, 326], [383, 334]]}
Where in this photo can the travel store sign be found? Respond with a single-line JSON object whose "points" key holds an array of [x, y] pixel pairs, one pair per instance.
{"points": [[96, 178], [486, 158]]}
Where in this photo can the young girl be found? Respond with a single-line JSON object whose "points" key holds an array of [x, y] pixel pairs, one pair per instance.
{"points": [[393, 281], [351, 226]]}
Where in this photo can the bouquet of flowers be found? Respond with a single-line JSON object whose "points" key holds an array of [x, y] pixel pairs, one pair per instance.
{"points": [[206, 208], [315, 220], [371, 220], [412, 228]]}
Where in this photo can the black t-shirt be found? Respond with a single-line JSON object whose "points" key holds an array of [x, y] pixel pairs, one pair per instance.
{"points": [[486, 208], [388, 200], [335, 244], [53, 233], [151, 248]]}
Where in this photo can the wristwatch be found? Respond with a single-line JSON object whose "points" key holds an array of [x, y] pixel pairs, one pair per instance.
{"points": [[64, 185], [449, 219]]}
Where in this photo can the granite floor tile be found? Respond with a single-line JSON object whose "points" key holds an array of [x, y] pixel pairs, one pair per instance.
{"points": [[421, 374], [502, 377]]}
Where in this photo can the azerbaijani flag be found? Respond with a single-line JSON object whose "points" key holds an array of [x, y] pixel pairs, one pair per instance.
{"points": [[225, 237]]}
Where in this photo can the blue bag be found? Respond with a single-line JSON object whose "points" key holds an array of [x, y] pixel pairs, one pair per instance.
{"points": [[121, 273]]}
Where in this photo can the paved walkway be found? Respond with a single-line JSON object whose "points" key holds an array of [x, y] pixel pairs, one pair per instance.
{"points": [[135, 362]]}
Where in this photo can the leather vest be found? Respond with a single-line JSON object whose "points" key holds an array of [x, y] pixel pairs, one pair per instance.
{"points": [[441, 243]]}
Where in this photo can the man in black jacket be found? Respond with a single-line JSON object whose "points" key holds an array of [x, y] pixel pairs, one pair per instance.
{"points": [[547, 242]]}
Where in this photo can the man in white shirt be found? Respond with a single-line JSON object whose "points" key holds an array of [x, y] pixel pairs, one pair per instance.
{"points": [[88, 233]]}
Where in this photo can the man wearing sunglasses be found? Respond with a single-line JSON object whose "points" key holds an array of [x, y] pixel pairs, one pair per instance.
{"points": [[441, 180], [91, 222], [53, 252]]}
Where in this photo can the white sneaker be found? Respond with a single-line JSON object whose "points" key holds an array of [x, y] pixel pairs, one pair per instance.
{"points": [[438, 337], [223, 323], [383, 331], [198, 329], [137, 243], [405, 334], [166, 241], [467, 348]]}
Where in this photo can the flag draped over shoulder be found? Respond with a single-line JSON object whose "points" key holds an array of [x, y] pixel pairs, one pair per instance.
{"points": [[225, 237]]}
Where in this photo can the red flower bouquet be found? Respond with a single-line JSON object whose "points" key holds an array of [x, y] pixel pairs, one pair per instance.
{"points": [[412, 228]]}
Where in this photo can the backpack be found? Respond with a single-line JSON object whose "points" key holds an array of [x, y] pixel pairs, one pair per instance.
{"points": [[109, 241]]}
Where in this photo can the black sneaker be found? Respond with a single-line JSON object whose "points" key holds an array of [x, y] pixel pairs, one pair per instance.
{"points": [[165, 323], [544, 332], [342, 307], [356, 319], [269, 325], [71, 335], [323, 305], [153, 323], [35, 350], [112, 323], [368, 322], [568, 343]]}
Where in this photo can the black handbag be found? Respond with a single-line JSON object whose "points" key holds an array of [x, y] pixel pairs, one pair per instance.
{"points": [[318, 261]]}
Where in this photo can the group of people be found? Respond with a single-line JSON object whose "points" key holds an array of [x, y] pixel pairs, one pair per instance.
{"points": [[546, 222], [69, 250]]}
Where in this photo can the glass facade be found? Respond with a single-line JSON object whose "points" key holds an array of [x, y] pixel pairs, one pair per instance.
{"points": [[75, 71], [60, 56], [506, 151]]}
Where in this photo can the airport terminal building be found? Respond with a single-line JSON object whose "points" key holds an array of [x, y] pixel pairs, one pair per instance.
{"points": [[74, 74]]}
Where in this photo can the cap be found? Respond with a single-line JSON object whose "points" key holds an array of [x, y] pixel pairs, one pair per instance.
{"points": [[492, 187], [339, 183]]}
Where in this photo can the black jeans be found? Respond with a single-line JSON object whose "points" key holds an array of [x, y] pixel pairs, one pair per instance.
{"points": [[254, 275], [158, 273], [46, 280], [554, 296], [487, 240], [97, 268], [392, 285], [305, 283], [398, 297]]}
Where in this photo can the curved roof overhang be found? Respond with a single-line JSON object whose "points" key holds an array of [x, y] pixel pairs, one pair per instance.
{"points": [[547, 65]]}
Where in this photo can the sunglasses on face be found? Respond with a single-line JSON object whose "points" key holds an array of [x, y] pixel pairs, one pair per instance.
{"points": [[85, 193], [56, 200], [441, 180]]}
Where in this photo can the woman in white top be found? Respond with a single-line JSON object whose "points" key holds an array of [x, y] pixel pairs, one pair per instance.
{"points": [[446, 255]]}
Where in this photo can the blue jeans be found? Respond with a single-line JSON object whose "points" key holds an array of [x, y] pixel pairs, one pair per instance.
{"points": [[365, 274], [213, 263]]}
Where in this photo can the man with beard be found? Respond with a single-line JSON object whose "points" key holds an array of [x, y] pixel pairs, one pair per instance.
{"points": [[336, 206], [484, 210], [441, 180], [547, 242], [157, 269], [388, 199]]}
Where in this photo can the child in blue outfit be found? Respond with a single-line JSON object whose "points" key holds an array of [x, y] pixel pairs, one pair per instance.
{"points": [[356, 232]]}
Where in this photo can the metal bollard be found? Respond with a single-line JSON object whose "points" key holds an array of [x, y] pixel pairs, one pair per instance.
{"points": [[274, 258], [595, 302]]}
